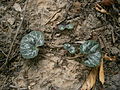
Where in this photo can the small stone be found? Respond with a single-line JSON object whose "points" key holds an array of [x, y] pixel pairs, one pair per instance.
{"points": [[119, 19], [115, 50], [17, 7], [116, 77], [11, 20]]}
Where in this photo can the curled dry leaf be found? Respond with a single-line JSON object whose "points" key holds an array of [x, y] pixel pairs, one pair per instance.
{"points": [[100, 9], [101, 73], [109, 58], [91, 79]]}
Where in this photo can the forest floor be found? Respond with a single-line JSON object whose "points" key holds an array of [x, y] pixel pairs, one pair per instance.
{"points": [[54, 68]]}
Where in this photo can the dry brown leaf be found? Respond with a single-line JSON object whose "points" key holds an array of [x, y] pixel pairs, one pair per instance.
{"points": [[91, 79], [109, 58], [101, 73], [100, 9]]}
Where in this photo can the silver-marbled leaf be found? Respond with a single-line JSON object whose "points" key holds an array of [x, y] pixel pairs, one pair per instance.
{"points": [[30, 43], [69, 48], [93, 51]]}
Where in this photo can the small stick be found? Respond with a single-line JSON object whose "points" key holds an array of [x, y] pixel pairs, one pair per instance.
{"points": [[113, 36], [11, 46], [53, 16], [3, 52]]}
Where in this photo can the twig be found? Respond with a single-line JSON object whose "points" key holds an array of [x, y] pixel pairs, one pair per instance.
{"points": [[1, 88], [76, 56], [53, 16], [10, 32], [11, 46], [113, 36], [3, 52], [15, 87]]}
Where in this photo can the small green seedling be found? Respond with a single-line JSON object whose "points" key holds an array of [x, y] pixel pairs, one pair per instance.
{"points": [[69, 26], [93, 51], [61, 27], [69, 48], [30, 43], [65, 27]]}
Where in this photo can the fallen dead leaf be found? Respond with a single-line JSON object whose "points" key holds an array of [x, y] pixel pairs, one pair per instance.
{"points": [[100, 9], [113, 58], [101, 73], [91, 79], [55, 16]]}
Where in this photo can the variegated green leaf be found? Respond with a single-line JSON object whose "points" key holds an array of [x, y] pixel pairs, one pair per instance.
{"points": [[69, 26], [93, 51], [29, 44], [69, 48]]}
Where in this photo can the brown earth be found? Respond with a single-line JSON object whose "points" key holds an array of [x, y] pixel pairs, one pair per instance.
{"points": [[54, 68]]}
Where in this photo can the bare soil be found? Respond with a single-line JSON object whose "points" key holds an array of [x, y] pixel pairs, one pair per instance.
{"points": [[54, 68]]}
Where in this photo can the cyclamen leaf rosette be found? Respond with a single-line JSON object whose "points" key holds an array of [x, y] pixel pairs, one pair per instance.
{"points": [[67, 26], [30, 43], [93, 51], [69, 48]]}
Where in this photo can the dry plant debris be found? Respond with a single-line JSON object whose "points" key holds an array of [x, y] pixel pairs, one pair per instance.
{"points": [[100, 9], [105, 57], [101, 73], [91, 79]]}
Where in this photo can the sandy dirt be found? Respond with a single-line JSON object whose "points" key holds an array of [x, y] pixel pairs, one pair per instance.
{"points": [[54, 68]]}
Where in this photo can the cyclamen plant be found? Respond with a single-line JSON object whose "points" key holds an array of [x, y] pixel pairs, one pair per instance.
{"points": [[69, 48], [91, 49], [63, 27], [30, 43]]}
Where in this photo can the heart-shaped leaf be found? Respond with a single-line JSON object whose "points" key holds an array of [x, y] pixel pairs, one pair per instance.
{"points": [[93, 51], [30, 43], [69, 48]]}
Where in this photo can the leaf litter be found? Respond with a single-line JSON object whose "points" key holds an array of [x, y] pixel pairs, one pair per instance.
{"points": [[53, 70]]}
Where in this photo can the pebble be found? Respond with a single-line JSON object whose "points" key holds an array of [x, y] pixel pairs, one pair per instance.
{"points": [[115, 50]]}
